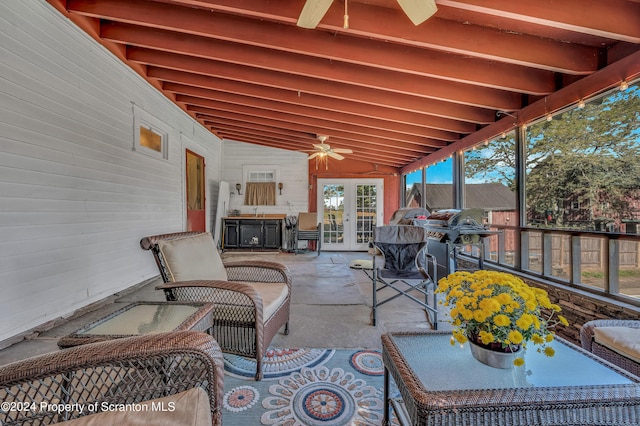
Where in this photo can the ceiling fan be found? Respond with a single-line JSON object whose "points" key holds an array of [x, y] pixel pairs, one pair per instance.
{"points": [[323, 151], [418, 11]]}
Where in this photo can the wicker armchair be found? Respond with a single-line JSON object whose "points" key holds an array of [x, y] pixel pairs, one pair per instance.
{"points": [[183, 370], [251, 298], [590, 342]]}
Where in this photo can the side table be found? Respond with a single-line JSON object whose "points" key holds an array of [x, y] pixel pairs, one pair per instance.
{"points": [[143, 318], [441, 384]]}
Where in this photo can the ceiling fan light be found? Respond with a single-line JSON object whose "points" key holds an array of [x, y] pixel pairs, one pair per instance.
{"points": [[418, 10]]}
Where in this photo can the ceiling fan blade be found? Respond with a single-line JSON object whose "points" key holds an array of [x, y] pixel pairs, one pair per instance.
{"points": [[312, 13], [334, 155], [314, 155], [343, 150], [418, 10]]}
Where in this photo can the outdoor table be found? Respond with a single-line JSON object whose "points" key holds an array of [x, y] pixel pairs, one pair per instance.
{"points": [[143, 318], [442, 384]]}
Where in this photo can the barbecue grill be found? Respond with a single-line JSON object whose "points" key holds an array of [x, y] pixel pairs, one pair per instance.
{"points": [[407, 215], [448, 230]]}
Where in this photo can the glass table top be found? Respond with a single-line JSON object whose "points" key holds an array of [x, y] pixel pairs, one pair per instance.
{"points": [[441, 366], [143, 319]]}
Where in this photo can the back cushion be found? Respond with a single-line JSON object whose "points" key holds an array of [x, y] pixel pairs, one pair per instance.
{"points": [[192, 258]]}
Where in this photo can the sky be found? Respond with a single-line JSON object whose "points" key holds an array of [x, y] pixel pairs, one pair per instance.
{"points": [[438, 173]]}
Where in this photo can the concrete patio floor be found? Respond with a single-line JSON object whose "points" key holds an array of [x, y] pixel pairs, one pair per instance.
{"points": [[331, 307]]}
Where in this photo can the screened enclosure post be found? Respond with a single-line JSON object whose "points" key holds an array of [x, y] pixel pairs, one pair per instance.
{"points": [[613, 267], [576, 259], [547, 254], [501, 248], [524, 250]]}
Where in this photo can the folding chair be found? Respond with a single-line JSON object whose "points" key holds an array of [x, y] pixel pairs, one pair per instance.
{"points": [[407, 267], [308, 229]]}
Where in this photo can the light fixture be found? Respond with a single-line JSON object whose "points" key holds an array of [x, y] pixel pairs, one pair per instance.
{"points": [[581, 104], [524, 126], [624, 85], [549, 117], [345, 23], [280, 186], [238, 188], [503, 135]]}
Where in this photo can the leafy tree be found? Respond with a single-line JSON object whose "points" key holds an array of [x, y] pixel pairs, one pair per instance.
{"points": [[587, 155]]}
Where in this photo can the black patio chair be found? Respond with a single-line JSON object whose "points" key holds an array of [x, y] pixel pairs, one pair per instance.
{"points": [[408, 268]]}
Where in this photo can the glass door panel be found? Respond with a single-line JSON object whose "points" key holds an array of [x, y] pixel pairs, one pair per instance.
{"points": [[351, 209]]}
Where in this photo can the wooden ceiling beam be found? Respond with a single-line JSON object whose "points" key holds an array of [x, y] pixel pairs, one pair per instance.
{"points": [[295, 64], [199, 85], [386, 24], [258, 123], [299, 86], [613, 19], [366, 157], [365, 154], [374, 123], [355, 50], [321, 127], [335, 138], [273, 109]]}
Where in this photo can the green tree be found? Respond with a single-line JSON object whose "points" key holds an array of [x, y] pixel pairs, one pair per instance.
{"points": [[589, 156]]}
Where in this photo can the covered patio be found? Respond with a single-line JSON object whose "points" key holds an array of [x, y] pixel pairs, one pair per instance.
{"points": [[125, 119]]}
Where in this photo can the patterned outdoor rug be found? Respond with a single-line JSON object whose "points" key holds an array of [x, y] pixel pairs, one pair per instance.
{"points": [[305, 387]]}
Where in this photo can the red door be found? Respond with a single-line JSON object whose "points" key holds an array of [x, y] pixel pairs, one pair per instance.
{"points": [[196, 213]]}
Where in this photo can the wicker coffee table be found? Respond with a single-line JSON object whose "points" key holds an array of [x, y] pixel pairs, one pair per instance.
{"points": [[143, 318], [441, 384]]}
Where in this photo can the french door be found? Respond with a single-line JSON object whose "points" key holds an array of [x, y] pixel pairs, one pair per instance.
{"points": [[350, 209]]}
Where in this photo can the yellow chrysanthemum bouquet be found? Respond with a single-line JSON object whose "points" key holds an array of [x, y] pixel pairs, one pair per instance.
{"points": [[499, 310]]}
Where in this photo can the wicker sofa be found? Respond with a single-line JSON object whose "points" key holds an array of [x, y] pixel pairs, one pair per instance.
{"points": [[177, 376], [251, 298], [617, 341]]}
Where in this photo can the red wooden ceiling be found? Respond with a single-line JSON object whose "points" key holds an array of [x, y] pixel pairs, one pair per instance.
{"points": [[390, 91]]}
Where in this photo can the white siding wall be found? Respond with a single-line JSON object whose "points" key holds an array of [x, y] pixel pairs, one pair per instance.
{"points": [[293, 168], [75, 199]]}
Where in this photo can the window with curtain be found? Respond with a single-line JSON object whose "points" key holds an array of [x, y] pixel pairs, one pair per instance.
{"points": [[260, 194]]}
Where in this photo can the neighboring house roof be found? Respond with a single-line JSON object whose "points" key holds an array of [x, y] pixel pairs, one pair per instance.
{"points": [[491, 196]]}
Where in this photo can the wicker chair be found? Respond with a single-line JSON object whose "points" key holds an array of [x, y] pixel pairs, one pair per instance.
{"points": [[590, 342], [183, 370], [251, 298]]}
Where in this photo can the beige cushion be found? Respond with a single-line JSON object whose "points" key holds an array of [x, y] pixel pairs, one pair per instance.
{"points": [[273, 294], [192, 258], [623, 340], [307, 221], [190, 407], [225, 301]]}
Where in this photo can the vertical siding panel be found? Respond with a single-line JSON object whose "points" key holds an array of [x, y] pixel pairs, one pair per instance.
{"points": [[75, 198], [293, 167]]}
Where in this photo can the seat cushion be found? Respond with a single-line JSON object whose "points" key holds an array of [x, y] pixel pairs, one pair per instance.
{"points": [[622, 340], [273, 294], [192, 258], [190, 407]]}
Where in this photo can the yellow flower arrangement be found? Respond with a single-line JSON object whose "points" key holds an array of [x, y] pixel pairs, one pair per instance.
{"points": [[498, 308]]}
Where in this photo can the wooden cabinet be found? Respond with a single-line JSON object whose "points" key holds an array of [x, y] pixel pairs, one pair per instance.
{"points": [[254, 233]]}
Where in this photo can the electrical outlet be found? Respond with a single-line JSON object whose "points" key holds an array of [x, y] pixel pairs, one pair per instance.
{"points": [[289, 203]]}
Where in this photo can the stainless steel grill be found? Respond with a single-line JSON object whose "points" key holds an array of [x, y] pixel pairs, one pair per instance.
{"points": [[450, 229]]}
